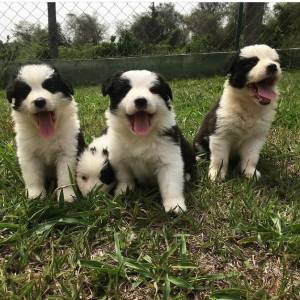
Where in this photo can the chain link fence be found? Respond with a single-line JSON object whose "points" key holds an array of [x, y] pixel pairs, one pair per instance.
{"points": [[90, 30]]}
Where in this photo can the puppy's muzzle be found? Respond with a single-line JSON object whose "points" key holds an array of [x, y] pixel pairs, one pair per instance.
{"points": [[272, 69], [40, 103], [140, 103]]}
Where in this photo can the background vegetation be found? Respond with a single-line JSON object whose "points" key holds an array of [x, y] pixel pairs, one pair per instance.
{"points": [[160, 30]]}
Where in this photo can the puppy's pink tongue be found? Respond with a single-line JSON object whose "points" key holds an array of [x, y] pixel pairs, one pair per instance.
{"points": [[266, 93], [45, 124], [141, 123]]}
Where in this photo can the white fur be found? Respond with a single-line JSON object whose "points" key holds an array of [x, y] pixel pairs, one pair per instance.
{"points": [[38, 157], [242, 123], [150, 158], [90, 164]]}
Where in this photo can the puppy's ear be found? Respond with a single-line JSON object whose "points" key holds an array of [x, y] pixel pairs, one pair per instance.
{"points": [[66, 86], [231, 63], [162, 88], [167, 87], [107, 85]]}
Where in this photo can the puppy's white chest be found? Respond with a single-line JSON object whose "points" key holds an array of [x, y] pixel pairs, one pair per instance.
{"points": [[143, 160], [246, 125], [143, 171], [240, 125], [48, 151]]}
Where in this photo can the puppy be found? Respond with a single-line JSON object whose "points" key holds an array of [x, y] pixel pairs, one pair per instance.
{"points": [[47, 128], [94, 168], [240, 121], [145, 143]]}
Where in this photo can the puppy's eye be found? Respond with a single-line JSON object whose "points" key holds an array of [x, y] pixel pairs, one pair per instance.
{"points": [[84, 178]]}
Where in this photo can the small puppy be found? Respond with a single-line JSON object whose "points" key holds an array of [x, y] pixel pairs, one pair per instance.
{"points": [[240, 121], [94, 169], [145, 143], [47, 128]]}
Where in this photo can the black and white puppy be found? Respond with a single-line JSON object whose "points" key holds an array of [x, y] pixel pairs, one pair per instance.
{"points": [[47, 128], [239, 122], [94, 168], [146, 145]]}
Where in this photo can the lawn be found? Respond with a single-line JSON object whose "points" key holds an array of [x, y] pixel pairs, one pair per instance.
{"points": [[240, 239]]}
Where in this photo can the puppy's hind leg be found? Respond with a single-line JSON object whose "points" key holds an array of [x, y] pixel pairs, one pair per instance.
{"points": [[33, 171]]}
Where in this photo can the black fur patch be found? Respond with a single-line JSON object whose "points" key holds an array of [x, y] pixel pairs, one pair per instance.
{"points": [[17, 90], [172, 133], [93, 150], [162, 88], [117, 88], [238, 70], [207, 128], [187, 151], [107, 174], [80, 143], [105, 152], [56, 84]]}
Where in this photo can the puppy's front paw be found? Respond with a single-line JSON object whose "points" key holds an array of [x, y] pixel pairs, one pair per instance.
{"points": [[123, 187], [176, 205], [216, 174], [35, 192], [68, 194], [252, 173]]}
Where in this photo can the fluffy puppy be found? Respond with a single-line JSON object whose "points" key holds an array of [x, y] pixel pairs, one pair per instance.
{"points": [[94, 168], [145, 143], [240, 121], [47, 128]]}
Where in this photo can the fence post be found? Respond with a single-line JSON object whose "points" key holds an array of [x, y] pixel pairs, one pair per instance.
{"points": [[239, 27], [52, 30], [254, 13]]}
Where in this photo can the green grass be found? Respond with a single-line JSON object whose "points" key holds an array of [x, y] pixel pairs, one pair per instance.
{"points": [[239, 239]]}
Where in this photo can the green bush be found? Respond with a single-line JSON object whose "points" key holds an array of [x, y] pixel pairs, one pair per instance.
{"points": [[76, 52], [128, 45], [106, 49], [31, 51], [198, 44], [88, 51]]}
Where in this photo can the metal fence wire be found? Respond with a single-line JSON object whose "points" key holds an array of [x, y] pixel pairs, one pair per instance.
{"points": [[89, 30]]}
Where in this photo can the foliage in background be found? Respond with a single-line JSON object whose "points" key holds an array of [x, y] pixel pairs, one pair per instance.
{"points": [[160, 30], [283, 27], [161, 24], [84, 29], [208, 25]]}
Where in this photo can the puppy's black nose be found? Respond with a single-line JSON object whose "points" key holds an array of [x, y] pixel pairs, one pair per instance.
{"points": [[272, 68], [140, 103], [40, 102]]}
